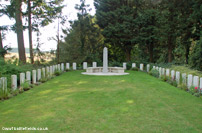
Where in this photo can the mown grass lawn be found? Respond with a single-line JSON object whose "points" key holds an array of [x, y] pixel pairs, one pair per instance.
{"points": [[79, 103]]}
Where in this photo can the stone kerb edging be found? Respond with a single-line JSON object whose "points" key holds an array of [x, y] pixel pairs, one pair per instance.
{"points": [[30, 78]]}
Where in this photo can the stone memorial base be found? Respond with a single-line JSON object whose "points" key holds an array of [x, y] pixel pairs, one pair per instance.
{"points": [[99, 71]]}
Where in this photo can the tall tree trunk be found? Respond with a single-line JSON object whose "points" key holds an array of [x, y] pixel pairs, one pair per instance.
{"points": [[30, 32], [19, 30], [170, 49], [1, 43], [128, 54], [187, 53], [151, 52], [58, 46]]}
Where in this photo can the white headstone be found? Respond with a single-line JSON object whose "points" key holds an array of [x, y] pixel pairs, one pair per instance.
{"points": [[85, 65], [173, 74], [124, 66], [62, 67], [154, 67], [160, 72], [148, 67], [196, 81], [48, 72], [163, 72], [33, 76], [105, 60], [3, 84], [168, 72], [189, 81], [51, 71], [177, 77], [28, 76], [141, 67], [133, 65], [22, 78], [67, 66], [56, 67], [14, 84], [157, 68], [44, 72], [184, 78], [38, 74], [201, 85], [59, 67], [74, 66], [94, 64]]}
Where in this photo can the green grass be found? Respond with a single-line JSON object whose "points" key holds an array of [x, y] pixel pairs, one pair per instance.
{"points": [[78, 103], [187, 70]]}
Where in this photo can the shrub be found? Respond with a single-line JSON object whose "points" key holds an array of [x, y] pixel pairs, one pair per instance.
{"points": [[25, 86], [154, 73], [193, 90], [134, 69], [115, 64], [4, 94], [57, 73], [43, 80], [183, 87]]}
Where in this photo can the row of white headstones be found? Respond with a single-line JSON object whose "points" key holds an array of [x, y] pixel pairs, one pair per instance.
{"points": [[188, 80], [48, 72], [35, 76]]}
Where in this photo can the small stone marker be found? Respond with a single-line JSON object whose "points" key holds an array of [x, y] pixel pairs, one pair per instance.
{"points": [[22, 78], [133, 65], [62, 67], [33, 76], [74, 66], [14, 84], [38, 74], [163, 71], [85, 65], [3, 84], [173, 74], [94, 64], [189, 80], [154, 67], [141, 67], [67, 66], [48, 72], [157, 68], [51, 71], [196, 81], [44, 72], [59, 67], [200, 85], [148, 67], [178, 77], [168, 72], [56, 67], [28, 76], [124, 66], [184, 78], [160, 71]]}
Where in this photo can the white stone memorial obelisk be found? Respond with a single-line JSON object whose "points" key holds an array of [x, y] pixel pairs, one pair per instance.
{"points": [[105, 60]]}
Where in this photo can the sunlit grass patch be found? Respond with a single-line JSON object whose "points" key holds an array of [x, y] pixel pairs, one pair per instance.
{"points": [[74, 102]]}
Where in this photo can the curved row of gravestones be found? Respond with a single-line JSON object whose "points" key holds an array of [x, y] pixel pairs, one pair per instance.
{"points": [[32, 77], [36, 75], [49, 71], [188, 80]]}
